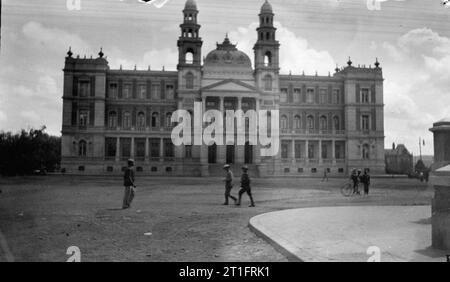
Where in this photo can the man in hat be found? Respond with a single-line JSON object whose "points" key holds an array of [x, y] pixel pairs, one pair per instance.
{"points": [[228, 184], [365, 180], [128, 182], [245, 187]]}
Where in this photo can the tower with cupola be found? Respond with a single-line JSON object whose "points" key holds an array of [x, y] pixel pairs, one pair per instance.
{"points": [[189, 49], [266, 51]]}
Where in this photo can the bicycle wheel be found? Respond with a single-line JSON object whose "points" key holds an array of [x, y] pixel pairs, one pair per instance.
{"points": [[347, 190]]}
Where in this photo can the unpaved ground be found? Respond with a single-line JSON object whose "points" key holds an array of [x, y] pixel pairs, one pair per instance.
{"points": [[40, 217]]}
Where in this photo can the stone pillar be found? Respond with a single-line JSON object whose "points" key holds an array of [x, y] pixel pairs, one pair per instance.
{"points": [[440, 179], [147, 150], [320, 152], [132, 153], [239, 107], [306, 151], [118, 149], [333, 151], [293, 151], [161, 149], [221, 105]]}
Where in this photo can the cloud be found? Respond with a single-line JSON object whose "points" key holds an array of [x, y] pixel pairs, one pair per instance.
{"points": [[54, 39], [417, 83], [295, 53]]}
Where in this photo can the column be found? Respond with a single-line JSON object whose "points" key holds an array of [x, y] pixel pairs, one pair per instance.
{"points": [[221, 104], [333, 151], [320, 152], [203, 106], [147, 150], [239, 107], [161, 150], [258, 105], [293, 151], [132, 148], [306, 151], [118, 149]]}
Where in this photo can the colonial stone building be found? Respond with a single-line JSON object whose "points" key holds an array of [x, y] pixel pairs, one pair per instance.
{"points": [[399, 160], [332, 123]]}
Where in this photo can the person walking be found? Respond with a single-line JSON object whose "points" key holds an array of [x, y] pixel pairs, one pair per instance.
{"points": [[128, 182], [228, 185], [325, 175], [245, 187], [365, 180], [355, 178]]}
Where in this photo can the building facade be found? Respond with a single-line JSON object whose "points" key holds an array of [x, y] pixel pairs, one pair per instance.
{"points": [[399, 160], [332, 123]]}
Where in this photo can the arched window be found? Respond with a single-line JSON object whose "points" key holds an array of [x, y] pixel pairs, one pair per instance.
{"points": [[112, 120], [268, 36], [189, 81], [284, 122], [155, 119], [268, 83], [323, 123], [169, 120], [366, 152], [336, 122], [82, 148], [126, 120], [310, 120], [268, 59], [189, 57], [141, 121], [297, 122]]}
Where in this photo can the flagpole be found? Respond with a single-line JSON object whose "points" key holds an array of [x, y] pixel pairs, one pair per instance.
{"points": [[420, 147]]}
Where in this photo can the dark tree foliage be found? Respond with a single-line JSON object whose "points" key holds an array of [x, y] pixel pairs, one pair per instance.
{"points": [[25, 152]]}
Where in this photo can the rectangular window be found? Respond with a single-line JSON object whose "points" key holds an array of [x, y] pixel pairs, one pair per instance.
{"points": [[297, 95], [140, 148], [365, 97], [365, 122], [125, 144], [310, 95], [170, 92], [127, 91], [323, 96], [284, 150], [156, 89], [188, 151], [113, 90], [154, 148], [168, 148], [336, 96], [298, 150], [84, 88], [142, 92], [110, 147], [284, 95], [310, 151]]}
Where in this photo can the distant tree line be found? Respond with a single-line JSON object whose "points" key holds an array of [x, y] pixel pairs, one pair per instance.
{"points": [[28, 151]]}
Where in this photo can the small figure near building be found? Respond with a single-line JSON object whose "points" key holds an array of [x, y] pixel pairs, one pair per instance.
{"points": [[128, 182], [245, 187], [365, 180], [228, 185], [325, 175]]}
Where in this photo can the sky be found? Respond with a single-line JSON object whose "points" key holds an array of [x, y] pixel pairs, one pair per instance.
{"points": [[411, 39]]}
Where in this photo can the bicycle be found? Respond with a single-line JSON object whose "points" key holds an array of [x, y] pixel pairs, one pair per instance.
{"points": [[347, 189]]}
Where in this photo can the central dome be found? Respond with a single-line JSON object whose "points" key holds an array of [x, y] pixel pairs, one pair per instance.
{"points": [[227, 55]]}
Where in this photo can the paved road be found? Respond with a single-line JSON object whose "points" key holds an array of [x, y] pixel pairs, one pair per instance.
{"points": [[40, 217]]}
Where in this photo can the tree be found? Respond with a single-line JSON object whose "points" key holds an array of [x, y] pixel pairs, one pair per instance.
{"points": [[25, 152]]}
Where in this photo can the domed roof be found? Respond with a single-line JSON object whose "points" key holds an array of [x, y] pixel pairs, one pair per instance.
{"points": [[266, 8], [190, 5], [227, 55]]}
